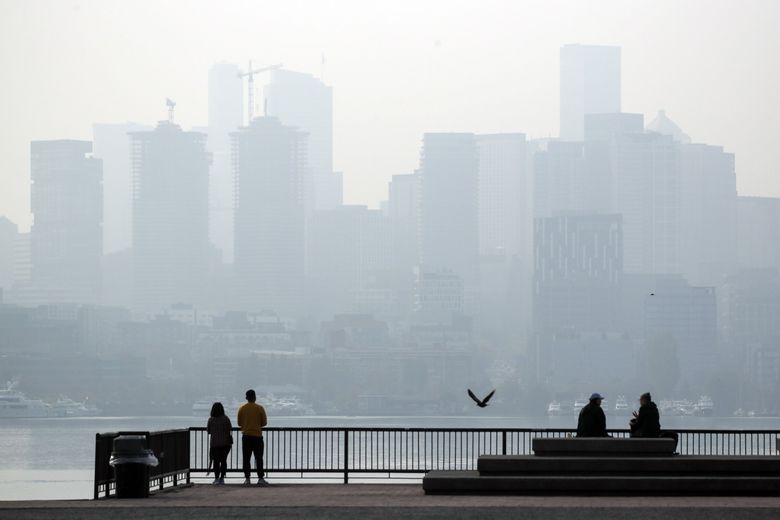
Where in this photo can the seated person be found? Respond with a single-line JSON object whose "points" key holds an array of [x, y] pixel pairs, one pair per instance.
{"points": [[592, 422], [646, 422]]}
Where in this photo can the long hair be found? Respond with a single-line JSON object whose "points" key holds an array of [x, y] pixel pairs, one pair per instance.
{"points": [[217, 410]]}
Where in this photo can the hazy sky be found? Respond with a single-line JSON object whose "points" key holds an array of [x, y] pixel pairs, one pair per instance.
{"points": [[398, 68]]}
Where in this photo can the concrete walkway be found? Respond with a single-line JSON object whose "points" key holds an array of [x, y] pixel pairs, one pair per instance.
{"points": [[387, 501]]}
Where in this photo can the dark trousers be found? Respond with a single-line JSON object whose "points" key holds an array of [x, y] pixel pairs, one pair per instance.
{"points": [[252, 446], [219, 455]]}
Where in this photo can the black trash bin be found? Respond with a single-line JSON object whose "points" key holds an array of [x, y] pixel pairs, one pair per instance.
{"points": [[131, 461]]}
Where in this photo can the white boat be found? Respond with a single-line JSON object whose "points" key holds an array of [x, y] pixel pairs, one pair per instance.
{"points": [[579, 404], [704, 406], [14, 404], [554, 408], [67, 407], [621, 405]]}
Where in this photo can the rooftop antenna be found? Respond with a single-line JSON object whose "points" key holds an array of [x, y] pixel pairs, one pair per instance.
{"points": [[250, 75], [170, 104]]}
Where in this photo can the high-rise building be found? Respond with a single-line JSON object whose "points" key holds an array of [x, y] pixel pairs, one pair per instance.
{"points": [[449, 216], [66, 237], [303, 101], [689, 315], [758, 232], [578, 267], [226, 101], [505, 214], [349, 247], [708, 214], [590, 84], [111, 144], [647, 191], [8, 234], [171, 249], [269, 160], [403, 212], [572, 177]]}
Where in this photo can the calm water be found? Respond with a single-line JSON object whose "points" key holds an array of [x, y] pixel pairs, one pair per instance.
{"points": [[54, 458]]}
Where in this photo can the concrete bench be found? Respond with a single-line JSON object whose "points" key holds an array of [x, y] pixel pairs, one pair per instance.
{"points": [[603, 447]]}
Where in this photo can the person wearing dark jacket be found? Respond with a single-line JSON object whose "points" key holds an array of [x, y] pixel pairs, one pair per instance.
{"points": [[646, 422], [592, 422]]}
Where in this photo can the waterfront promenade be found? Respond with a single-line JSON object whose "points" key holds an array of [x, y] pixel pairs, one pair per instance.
{"points": [[386, 501]]}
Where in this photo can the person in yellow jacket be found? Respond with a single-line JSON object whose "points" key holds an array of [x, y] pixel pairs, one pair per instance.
{"points": [[251, 420]]}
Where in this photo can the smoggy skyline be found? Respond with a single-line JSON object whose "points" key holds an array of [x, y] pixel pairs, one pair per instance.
{"points": [[397, 71]]}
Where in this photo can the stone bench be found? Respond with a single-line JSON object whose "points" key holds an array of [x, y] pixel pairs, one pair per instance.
{"points": [[603, 447]]}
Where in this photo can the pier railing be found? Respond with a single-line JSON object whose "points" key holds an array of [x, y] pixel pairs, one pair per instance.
{"points": [[171, 447], [332, 452], [388, 452]]}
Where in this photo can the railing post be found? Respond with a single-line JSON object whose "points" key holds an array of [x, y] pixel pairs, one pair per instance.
{"points": [[346, 456], [97, 461], [503, 443]]}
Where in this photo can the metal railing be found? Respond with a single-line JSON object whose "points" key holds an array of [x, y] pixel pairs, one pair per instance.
{"points": [[389, 451], [171, 447]]}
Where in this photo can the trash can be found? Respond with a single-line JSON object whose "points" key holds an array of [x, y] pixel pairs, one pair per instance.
{"points": [[131, 461]]}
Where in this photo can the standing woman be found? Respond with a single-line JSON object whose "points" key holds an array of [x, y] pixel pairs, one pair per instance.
{"points": [[221, 431]]}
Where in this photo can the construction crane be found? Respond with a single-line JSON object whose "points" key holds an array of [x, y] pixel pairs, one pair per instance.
{"points": [[250, 74], [170, 104]]}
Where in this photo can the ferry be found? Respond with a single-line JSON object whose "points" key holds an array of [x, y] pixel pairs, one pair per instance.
{"points": [[554, 409], [67, 407], [14, 404]]}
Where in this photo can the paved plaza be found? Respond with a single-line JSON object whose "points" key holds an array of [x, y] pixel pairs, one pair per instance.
{"points": [[386, 501]]}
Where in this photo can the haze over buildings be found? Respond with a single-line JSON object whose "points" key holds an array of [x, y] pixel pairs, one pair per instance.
{"points": [[196, 260]]}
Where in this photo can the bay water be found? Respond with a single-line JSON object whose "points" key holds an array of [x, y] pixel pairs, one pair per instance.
{"points": [[53, 458]]}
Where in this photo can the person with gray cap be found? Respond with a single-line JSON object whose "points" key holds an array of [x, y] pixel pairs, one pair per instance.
{"points": [[592, 422]]}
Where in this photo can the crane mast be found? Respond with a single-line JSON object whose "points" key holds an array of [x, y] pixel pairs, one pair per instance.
{"points": [[250, 75]]}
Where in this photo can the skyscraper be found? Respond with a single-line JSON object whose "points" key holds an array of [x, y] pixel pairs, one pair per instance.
{"points": [[66, 237], [226, 101], [708, 219], [578, 265], [269, 162], [349, 247], [572, 177], [504, 194], [646, 189], [8, 234], [590, 84], [449, 216], [111, 144], [171, 248], [303, 101]]}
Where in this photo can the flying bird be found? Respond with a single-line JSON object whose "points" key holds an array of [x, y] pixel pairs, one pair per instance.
{"points": [[481, 403]]}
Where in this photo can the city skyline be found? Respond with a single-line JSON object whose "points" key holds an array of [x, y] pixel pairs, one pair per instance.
{"points": [[705, 97]]}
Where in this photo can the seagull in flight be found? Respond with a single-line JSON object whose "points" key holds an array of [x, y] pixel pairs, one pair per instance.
{"points": [[481, 403]]}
